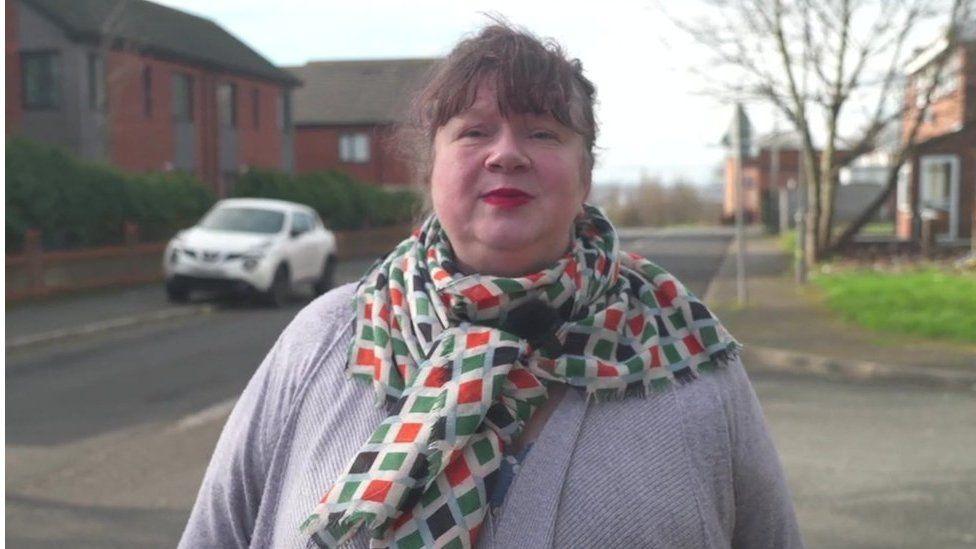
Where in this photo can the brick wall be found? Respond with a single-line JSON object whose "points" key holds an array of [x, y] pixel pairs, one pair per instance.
{"points": [[145, 142], [948, 112], [139, 141], [317, 149]]}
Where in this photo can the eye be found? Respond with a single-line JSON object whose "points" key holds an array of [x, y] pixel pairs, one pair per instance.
{"points": [[544, 134], [473, 133]]}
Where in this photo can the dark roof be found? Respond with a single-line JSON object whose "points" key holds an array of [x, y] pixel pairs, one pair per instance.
{"points": [[157, 29], [357, 92]]}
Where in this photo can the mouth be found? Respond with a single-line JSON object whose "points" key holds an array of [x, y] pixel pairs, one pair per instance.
{"points": [[506, 197]]}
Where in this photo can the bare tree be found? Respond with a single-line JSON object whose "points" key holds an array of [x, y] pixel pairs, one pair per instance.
{"points": [[834, 69]]}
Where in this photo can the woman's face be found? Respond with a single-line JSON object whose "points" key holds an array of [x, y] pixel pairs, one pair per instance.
{"points": [[507, 190]]}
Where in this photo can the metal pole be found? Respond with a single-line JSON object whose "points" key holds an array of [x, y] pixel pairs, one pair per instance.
{"points": [[784, 200], [740, 260], [800, 266]]}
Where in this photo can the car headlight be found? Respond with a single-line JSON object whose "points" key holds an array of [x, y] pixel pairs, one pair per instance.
{"points": [[251, 262], [174, 251]]}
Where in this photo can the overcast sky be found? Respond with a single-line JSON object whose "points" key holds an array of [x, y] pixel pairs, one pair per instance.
{"points": [[651, 117]]}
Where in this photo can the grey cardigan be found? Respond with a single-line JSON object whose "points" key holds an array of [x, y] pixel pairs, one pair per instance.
{"points": [[692, 466]]}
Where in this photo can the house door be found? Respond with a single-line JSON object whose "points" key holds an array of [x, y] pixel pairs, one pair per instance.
{"points": [[939, 191]]}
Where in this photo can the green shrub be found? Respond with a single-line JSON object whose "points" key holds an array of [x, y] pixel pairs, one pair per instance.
{"points": [[342, 202], [77, 204]]}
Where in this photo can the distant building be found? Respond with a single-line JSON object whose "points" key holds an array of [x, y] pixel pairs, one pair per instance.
{"points": [[144, 87], [758, 184], [860, 183], [346, 112], [939, 180]]}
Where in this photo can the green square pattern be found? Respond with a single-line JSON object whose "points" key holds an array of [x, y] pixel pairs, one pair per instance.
{"points": [[575, 367], [423, 404], [467, 425], [469, 501], [413, 541], [348, 491], [380, 433], [469, 363], [603, 349], [483, 451], [677, 320], [392, 461]]}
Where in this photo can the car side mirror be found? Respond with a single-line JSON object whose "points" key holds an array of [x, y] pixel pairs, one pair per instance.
{"points": [[295, 233]]}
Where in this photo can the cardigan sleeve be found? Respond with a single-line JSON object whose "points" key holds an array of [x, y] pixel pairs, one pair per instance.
{"points": [[233, 487], [764, 515]]}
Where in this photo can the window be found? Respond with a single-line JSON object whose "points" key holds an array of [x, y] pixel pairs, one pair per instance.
{"points": [[96, 82], [256, 107], [284, 111], [354, 147], [936, 182], [301, 223], [42, 79], [183, 97], [147, 101], [227, 104]]}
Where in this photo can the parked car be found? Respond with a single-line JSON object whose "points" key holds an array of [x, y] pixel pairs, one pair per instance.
{"points": [[251, 245]]}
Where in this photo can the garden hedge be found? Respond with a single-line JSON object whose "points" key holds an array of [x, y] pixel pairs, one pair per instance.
{"points": [[342, 202], [78, 204]]}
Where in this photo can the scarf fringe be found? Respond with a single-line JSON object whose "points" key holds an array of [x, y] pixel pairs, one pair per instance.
{"points": [[717, 360]]}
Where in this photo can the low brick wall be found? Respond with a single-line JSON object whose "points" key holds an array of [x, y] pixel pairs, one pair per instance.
{"points": [[37, 273]]}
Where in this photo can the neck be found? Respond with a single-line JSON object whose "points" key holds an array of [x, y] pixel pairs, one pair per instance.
{"points": [[508, 263]]}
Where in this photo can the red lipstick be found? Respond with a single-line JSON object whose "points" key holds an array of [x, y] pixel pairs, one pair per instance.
{"points": [[506, 197]]}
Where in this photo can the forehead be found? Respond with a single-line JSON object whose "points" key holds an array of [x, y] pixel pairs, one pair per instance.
{"points": [[487, 103]]}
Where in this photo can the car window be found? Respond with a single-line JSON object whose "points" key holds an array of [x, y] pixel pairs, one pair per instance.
{"points": [[245, 220], [301, 222]]}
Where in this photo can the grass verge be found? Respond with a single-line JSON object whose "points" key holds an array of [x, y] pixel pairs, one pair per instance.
{"points": [[928, 302]]}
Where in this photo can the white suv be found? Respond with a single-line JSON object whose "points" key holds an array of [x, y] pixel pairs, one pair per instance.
{"points": [[251, 245]]}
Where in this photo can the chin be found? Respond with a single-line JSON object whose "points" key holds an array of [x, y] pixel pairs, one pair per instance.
{"points": [[507, 235]]}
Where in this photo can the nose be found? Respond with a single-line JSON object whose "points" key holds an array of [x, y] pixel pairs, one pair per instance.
{"points": [[507, 154]]}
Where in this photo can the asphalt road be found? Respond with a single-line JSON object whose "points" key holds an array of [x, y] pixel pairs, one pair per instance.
{"points": [[108, 436]]}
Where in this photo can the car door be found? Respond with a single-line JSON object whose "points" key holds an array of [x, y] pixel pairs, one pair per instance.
{"points": [[306, 260]]}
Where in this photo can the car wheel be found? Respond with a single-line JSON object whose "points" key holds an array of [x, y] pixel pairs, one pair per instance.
{"points": [[176, 292], [280, 290], [327, 277]]}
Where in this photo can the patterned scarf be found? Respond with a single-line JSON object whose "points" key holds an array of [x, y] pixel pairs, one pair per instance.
{"points": [[444, 351]]}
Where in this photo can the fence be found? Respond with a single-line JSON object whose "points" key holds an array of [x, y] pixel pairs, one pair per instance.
{"points": [[36, 273]]}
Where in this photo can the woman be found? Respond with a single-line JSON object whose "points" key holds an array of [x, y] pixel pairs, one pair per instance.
{"points": [[510, 341]]}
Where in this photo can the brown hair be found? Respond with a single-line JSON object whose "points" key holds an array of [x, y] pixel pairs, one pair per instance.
{"points": [[529, 75]]}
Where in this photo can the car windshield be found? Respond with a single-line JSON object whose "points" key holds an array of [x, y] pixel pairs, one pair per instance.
{"points": [[245, 220]]}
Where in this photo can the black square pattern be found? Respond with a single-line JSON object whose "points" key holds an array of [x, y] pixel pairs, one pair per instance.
{"points": [[440, 522], [363, 462], [575, 343]]}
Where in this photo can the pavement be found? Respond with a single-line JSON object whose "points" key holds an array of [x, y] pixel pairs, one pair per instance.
{"points": [[786, 327]]}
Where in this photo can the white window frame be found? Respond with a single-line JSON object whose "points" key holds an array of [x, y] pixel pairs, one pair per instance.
{"points": [[354, 147], [953, 200]]}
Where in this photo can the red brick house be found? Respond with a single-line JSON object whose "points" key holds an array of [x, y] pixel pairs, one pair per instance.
{"points": [[757, 175], [345, 113], [939, 180], [144, 87]]}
